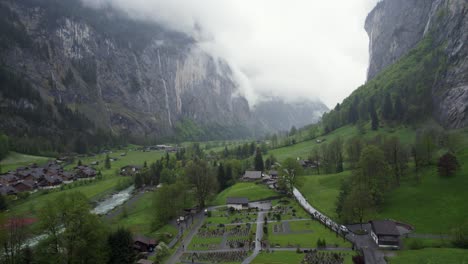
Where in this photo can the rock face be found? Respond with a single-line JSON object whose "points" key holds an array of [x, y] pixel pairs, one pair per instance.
{"points": [[130, 77], [277, 115], [396, 26]]}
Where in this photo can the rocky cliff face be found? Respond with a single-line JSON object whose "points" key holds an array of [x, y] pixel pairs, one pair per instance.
{"points": [[126, 76], [277, 115], [396, 26]]}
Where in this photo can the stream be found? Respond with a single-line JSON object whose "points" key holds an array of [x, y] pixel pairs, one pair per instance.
{"points": [[103, 207]]}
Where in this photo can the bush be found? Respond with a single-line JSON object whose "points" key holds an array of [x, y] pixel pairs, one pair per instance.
{"points": [[447, 165], [416, 244]]}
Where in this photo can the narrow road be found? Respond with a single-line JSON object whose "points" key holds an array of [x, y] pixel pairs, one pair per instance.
{"points": [[258, 239], [372, 254], [199, 219]]}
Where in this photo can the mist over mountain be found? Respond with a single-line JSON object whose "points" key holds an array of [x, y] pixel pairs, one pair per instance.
{"points": [[279, 115]]}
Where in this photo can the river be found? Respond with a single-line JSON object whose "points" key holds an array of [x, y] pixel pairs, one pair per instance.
{"points": [[103, 207]]}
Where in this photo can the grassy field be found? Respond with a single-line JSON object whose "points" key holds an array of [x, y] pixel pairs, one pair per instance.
{"points": [[94, 190], [244, 189], [430, 256], [313, 231], [36, 201], [291, 257], [321, 191], [132, 157], [304, 149], [15, 160]]}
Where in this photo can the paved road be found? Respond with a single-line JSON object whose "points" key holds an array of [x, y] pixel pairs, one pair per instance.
{"points": [[372, 254], [258, 239], [199, 219]]}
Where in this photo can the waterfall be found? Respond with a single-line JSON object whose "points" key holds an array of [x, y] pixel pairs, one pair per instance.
{"points": [[167, 102]]}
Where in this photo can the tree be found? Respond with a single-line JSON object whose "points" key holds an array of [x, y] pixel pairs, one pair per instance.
{"points": [[387, 109], [447, 165], [3, 203], [353, 150], [4, 146], [373, 115], [168, 201], [14, 233], [293, 131], [258, 160], [372, 174], [460, 236], [353, 114], [289, 179], [202, 178], [75, 235], [397, 157], [79, 163], [345, 189], [399, 111], [120, 245], [222, 179], [107, 163], [317, 159]]}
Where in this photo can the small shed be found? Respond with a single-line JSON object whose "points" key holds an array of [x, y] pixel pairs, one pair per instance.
{"points": [[385, 234], [252, 175], [237, 203], [145, 261], [144, 244]]}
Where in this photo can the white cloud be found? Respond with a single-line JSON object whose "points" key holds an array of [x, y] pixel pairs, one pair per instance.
{"points": [[294, 49]]}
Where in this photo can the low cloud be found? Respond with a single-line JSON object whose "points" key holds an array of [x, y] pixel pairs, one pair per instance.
{"points": [[294, 49]]}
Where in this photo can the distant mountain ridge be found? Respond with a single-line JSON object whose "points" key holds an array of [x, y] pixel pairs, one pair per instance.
{"points": [[276, 114]]}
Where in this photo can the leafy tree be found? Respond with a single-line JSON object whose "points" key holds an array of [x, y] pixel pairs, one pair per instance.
{"points": [[79, 163], [345, 189], [293, 131], [447, 165], [373, 174], [202, 178], [107, 163], [75, 235], [397, 157], [222, 177], [373, 115], [353, 114], [317, 159], [291, 170], [13, 234], [4, 146], [460, 236], [3, 203], [353, 150], [387, 109], [258, 160], [168, 201], [399, 110], [120, 244]]}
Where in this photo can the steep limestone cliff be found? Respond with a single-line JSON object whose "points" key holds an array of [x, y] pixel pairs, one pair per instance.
{"points": [[134, 78], [397, 26]]}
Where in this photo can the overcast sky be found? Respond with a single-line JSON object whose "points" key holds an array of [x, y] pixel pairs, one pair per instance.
{"points": [[293, 49]]}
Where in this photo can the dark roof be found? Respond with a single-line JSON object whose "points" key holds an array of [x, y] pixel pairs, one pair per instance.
{"points": [[237, 200], [385, 228], [144, 240], [29, 184], [253, 174], [144, 261], [8, 190]]}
